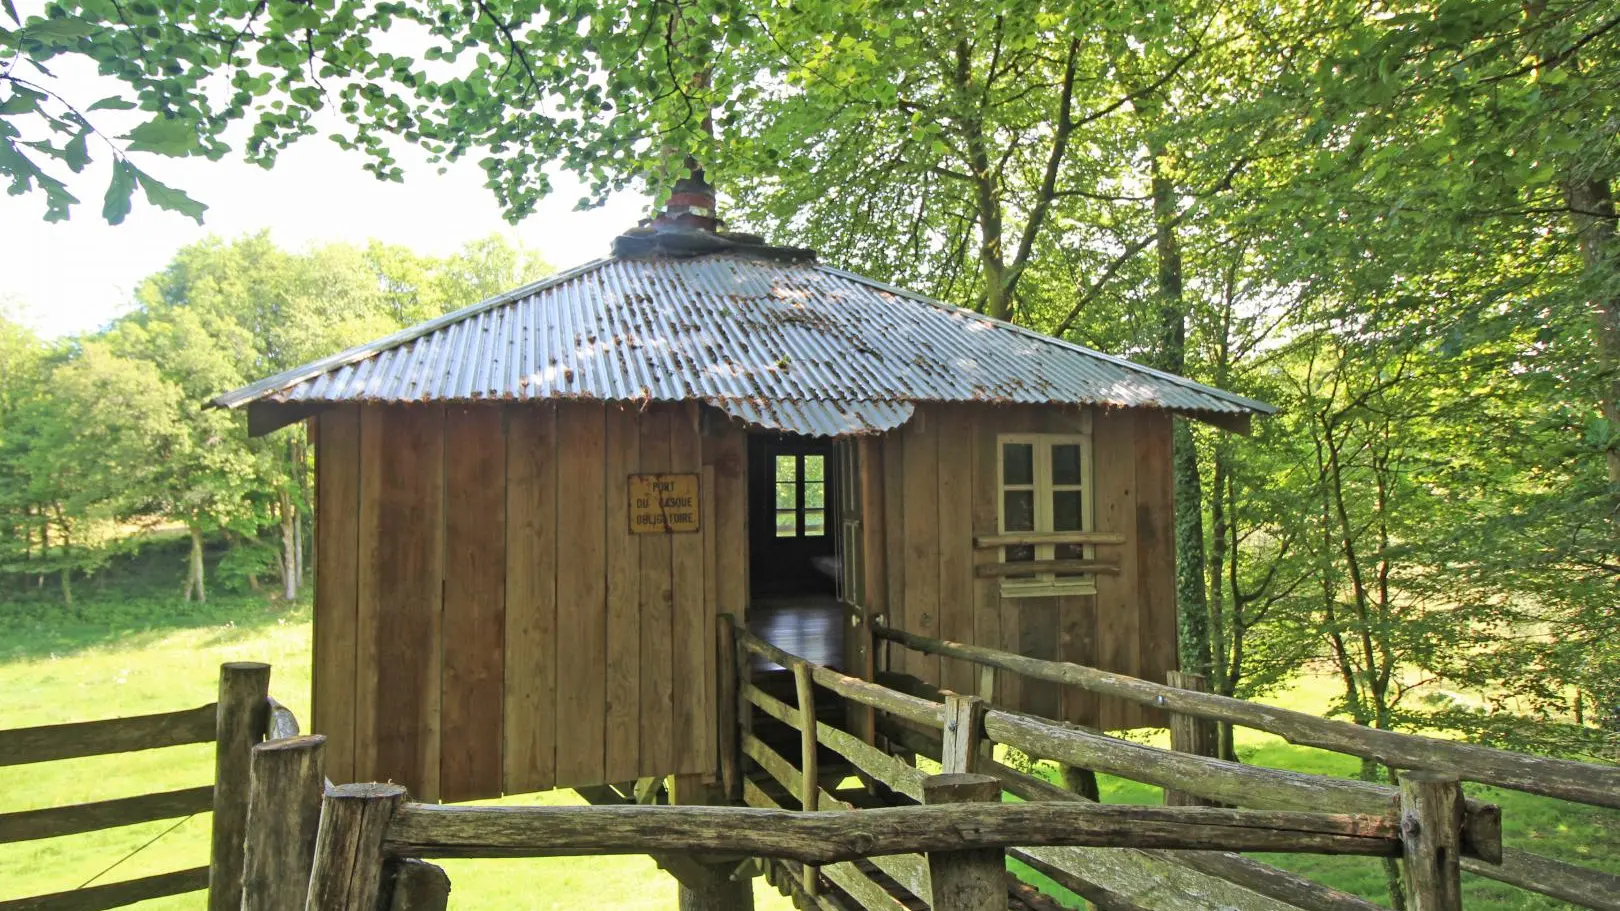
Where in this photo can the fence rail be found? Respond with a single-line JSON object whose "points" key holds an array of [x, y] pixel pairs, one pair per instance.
{"points": [[952, 729], [240, 718], [1579, 782]]}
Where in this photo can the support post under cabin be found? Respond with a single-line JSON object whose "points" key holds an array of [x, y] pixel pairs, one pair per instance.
{"points": [[708, 886], [242, 717], [966, 880]]}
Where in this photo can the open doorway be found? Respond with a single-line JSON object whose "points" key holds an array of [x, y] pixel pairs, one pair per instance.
{"points": [[793, 560]]}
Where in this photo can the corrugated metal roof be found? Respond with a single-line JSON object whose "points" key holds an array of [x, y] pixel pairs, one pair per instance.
{"points": [[796, 346]]}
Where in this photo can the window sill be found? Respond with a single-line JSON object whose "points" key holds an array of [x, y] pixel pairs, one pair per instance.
{"points": [[1048, 588]]}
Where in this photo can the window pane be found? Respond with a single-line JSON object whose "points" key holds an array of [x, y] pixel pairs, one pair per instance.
{"points": [[1017, 463], [1066, 464], [1019, 510], [787, 524], [814, 495], [1070, 552], [1066, 510], [1021, 553], [787, 468], [785, 494], [814, 470], [815, 523]]}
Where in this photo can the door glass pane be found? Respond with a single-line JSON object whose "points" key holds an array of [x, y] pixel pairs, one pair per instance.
{"points": [[814, 495], [787, 524], [787, 468], [1066, 464], [1066, 510], [1017, 463], [1019, 510], [814, 468], [815, 523], [784, 496]]}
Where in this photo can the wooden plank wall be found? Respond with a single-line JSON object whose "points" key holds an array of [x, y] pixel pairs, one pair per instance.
{"points": [[939, 483], [484, 620]]}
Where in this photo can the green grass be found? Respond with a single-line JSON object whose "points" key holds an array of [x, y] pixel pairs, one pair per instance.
{"points": [[73, 670], [146, 652]]}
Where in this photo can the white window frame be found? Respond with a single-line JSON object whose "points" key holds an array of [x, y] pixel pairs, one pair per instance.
{"points": [[1046, 584]]}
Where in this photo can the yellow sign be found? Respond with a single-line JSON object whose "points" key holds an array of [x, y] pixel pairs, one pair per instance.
{"points": [[663, 503]]}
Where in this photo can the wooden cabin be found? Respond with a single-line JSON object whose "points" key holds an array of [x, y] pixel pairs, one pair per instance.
{"points": [[531, 511]]}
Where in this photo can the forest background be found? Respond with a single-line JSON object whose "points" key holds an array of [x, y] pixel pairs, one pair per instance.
{"points": [[1393, 220]]}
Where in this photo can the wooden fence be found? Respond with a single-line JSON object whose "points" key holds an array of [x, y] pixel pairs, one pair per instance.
{"points": [[240, 718], [1231, 783]]}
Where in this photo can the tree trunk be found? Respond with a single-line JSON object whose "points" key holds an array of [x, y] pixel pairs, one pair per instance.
{"points": [[289, 549], [1592, 200], [195, 589], [1192, 606], [67, 587]]}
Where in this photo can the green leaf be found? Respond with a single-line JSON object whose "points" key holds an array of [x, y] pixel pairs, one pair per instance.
{"points": [[11, 10], [165, 136], [166, 197], [116, 204], [112, 103], [50, 30], [75, 153]]}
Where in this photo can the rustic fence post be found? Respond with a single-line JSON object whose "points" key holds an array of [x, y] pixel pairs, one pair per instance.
{"points": [[810, 773], [242, 716], [1431, 840], [1190, 734], [730, 686], [966, 880], [416, 885], [284, 813], [347, 874], [964, 734]]}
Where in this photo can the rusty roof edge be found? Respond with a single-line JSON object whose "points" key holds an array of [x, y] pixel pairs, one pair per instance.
{"points": [[1234, 398], [255, 391]]}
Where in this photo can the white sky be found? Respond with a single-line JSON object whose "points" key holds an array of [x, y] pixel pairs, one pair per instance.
{"points": [[74, 276]]}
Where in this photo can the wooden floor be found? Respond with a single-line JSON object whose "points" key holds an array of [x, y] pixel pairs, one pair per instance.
{"points": [[810, 626]]}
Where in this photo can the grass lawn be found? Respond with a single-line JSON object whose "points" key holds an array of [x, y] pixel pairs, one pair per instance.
{"points": [[113, 658]]}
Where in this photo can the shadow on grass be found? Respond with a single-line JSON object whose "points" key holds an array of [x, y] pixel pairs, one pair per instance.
{"points": [[132, 602]]}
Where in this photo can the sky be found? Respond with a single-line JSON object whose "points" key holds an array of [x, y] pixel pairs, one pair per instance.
{"points": [[75, 276]]}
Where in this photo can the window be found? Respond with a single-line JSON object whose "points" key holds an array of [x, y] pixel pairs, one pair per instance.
{"points": [[1045, 491], [801, 496]]}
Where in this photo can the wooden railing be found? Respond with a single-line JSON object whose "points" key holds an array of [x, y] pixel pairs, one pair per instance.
{"points": [[959, 730], [1578, 782], [238, 720]]}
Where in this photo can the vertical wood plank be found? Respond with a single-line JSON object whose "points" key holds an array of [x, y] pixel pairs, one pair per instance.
{"points": [[693, 669], [1156, 557], [529, 704], [337, 540], [470, 751], [894, 542], [1077, 643], [368, 609], [622, 760], [726, 451], [1114, 475], [921, 479], [581, 594], [874, 554], [1038, 638], [986, 490], [954, 429], [657, 623], [408, 576]]}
